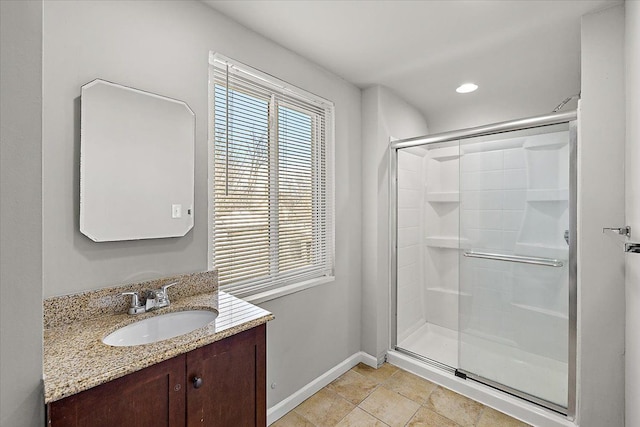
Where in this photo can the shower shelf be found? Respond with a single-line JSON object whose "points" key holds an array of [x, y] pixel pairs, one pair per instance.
{"points": [[444, 153], [444, 158], [443, 196], [548, 195], [455, 292], [542, 311], [556, 142], [446, 242]]}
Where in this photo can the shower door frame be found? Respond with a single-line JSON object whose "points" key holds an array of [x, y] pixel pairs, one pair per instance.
{"points": [[569, 117]]}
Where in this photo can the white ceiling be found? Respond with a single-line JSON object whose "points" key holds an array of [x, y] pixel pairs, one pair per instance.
{"points": [[524, 54]]}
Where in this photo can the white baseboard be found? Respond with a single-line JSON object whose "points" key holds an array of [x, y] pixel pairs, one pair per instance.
{"points": [[280, 409], [369, 360]]}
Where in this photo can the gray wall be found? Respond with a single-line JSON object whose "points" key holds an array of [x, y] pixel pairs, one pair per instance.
{"points": [[601, 204], [632, 155], [21, 401], [384, 116], [163, 47]]}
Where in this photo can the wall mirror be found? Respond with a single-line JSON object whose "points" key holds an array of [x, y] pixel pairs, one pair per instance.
{"points": [[136, 164]]}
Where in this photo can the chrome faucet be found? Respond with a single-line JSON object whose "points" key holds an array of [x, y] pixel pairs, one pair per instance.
{"points": [[153, 299]]}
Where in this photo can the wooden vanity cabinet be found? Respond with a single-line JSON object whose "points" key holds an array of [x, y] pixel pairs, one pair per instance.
{"points": [[233, 382], [220, 385], [151, 397]]}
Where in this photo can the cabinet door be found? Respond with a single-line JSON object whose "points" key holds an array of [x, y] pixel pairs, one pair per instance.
{"points": [[152, 397], [231, 391]]}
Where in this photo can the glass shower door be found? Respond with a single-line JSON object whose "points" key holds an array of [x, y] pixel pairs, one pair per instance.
{"points": [[514, 262]]}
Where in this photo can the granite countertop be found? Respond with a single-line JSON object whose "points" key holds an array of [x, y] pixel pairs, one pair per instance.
{"points": [[76, 359]]}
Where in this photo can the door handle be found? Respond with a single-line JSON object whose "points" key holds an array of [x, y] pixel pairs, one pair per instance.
{"points": [[633, 248], [623, 231]]}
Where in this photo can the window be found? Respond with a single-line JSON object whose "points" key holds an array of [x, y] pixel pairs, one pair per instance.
{"points": [[272, 189]]}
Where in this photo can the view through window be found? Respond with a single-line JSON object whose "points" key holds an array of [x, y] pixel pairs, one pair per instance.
{"points": [[272, 193]]}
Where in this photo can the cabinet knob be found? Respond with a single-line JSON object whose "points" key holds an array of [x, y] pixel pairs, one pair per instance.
{"points": [[197, 382]]}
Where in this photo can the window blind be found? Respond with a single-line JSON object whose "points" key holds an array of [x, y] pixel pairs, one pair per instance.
{"points": [[272, 189]]}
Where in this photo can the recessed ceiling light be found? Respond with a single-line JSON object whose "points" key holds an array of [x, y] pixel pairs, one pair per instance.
{"points": [[467, 87]]}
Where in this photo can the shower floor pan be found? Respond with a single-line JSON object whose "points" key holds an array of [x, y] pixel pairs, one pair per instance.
{"points": [[521, 370]]}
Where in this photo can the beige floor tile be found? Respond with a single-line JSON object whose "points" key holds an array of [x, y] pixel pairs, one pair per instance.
{"points": [[454, 406], [427, 418], [492, 418], [379, 375], [390, 407], [353, 386], [409, 385], [292, 419], [359, 418], [325, 408]]}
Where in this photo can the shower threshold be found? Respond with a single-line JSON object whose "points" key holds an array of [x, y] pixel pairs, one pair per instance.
{"points": [[542, 379], [496, 397]]}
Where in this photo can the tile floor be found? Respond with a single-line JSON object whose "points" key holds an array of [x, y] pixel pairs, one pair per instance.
{"points": [[390, 396]]}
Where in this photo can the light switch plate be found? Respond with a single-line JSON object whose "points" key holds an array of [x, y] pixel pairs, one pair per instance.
{"points": [[176, 211]]}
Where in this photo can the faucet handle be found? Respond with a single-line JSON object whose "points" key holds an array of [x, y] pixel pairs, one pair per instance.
{"points": [[135, 307], [134, 298], [167, 286], [162, 296]]}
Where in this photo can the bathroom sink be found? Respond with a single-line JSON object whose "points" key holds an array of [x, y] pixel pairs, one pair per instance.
{"points": [[158, 328]]}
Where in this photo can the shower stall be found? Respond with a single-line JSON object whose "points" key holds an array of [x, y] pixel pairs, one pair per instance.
{"points": [[483, 232]]}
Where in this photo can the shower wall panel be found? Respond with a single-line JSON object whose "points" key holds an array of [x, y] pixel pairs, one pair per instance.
{"points": [[411, 313], [427, 254], [441, 232]]}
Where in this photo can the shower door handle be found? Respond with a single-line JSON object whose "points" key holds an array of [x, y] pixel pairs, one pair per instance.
{"points": [[547, 262]]}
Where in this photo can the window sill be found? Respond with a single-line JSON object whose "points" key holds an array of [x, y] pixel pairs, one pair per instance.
{"points": [[287, 290]]}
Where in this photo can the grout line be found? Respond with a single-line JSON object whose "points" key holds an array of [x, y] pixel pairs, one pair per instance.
{"points": [[382, 384], [340, 397], [412, 415], [302, 416], [367, 412], [345, 416]]}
